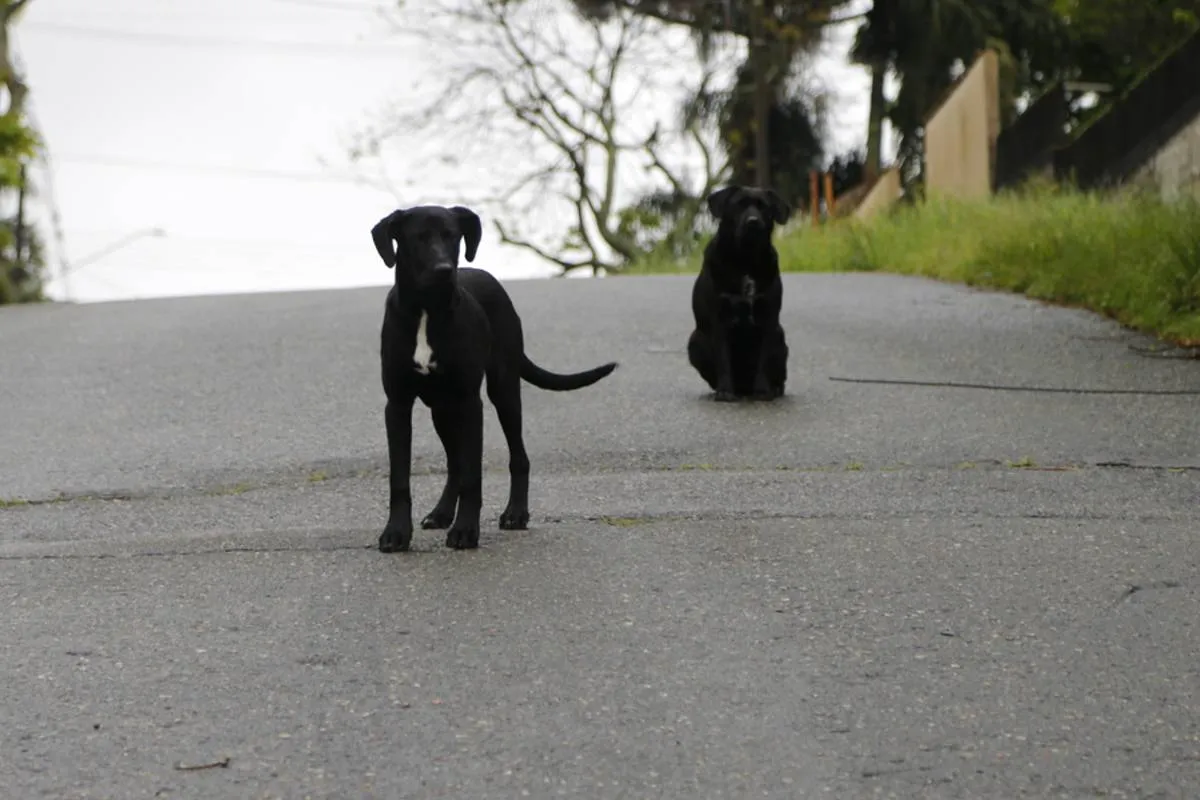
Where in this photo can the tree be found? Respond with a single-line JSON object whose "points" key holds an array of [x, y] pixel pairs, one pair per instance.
{"points": [[847, 170], [21, 268], [1116, 41], [795, 132], [924, 43], [587, 102], [770, 123], [20, 251], [9, 76]]}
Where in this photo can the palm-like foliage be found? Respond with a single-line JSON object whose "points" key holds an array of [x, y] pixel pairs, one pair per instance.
{"points": [[788, 117], [923, 42]]}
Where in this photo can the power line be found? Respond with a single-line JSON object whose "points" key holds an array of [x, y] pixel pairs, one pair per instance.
{"points": [[263, 45], [120, 162], [244, 243], [248, 243], [192, 14], [355, 6], [335, 6]]}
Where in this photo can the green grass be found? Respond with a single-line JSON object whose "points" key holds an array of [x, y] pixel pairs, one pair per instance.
{"points": [[1128, 256]]}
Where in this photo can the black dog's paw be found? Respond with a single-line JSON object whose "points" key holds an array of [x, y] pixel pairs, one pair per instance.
{"points": [[514, 519], [724, 396], [463, 537], [395, 538], [438, 519], [768, 392]]}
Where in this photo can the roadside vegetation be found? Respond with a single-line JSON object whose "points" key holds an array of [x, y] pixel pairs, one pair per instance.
{"points": [[21, 257], [1126, 255], [623, 133]]}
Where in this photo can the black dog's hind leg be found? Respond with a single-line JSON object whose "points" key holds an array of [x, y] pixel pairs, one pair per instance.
{"points": [[709, 355], [777, 366], [464, 533], [447, 430], [397, 534], [505, 394], [700, 356]]}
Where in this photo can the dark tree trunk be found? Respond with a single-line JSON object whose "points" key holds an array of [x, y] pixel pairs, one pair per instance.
{"points": [[762, 99], [875, 118]]}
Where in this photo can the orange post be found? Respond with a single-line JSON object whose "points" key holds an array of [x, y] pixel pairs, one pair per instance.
{"points": [[829, 200]]}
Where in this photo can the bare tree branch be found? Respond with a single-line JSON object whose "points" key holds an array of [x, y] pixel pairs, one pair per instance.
{"points": [[679, 15], [538, 251], [544, 108]]}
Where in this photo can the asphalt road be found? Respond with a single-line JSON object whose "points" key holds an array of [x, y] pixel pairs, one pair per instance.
{"points": [[864, 590]]}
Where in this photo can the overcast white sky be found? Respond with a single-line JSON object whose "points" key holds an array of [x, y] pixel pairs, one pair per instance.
{"points": [[209, 121]]}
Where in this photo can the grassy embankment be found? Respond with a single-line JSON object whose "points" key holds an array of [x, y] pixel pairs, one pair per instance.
{"points": [[1127, 256]]}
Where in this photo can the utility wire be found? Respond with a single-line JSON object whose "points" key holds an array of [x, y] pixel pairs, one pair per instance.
{"points": [[377, 49], [1005, 388], [187, 18], [253, 172], [355, 6], [336, 6], [170, 236]]}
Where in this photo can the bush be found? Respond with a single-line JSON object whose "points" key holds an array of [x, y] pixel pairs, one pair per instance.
{"points": [[1127, 255]]}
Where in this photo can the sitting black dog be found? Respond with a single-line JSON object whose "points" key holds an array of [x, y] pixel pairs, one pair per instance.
{"points": [[738, 346], [738, 309], [444, 330]]}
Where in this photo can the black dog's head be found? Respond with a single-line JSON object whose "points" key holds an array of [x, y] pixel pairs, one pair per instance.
{"points": [[748, 213], [422, 244]]}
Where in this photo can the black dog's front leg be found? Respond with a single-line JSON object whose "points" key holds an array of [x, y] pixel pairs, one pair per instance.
{"points": [[397, 534], [724, 359], [777, 365], [464, 533], [763, 390], [446, 425]]}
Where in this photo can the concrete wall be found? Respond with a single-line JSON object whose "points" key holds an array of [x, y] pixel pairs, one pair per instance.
{"points": [[1175, 169], [960, 135], [883, 194]]}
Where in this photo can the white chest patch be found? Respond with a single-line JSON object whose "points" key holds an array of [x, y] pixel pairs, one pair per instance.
{"points": [[422, 353]]}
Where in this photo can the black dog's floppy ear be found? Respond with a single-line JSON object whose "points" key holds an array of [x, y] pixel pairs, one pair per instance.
{"points": [[382, 235], [718, 200], [472, 230], [779, 209]]}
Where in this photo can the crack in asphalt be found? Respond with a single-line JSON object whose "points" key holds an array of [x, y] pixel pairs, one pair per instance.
{"points": [[181, 553], [620, 521], [1151, 586], [1014, 388], [616, 521], [318, 477]]}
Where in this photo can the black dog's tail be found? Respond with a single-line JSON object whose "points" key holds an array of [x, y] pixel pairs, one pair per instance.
{"points": [[554, 382]]}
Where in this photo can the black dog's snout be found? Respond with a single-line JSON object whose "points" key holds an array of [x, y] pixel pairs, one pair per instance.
{"points": [[754, 220], [443, 267]]}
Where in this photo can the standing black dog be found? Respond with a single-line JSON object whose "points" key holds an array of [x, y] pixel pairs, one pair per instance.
{"points": [[444, 330], [738, 346]]}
